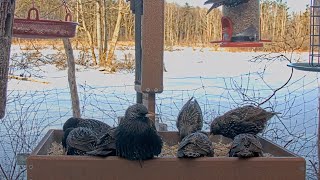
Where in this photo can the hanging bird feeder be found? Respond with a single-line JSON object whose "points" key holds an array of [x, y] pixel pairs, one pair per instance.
{"points": [[241, 25], [37, 28], [314, 53]]}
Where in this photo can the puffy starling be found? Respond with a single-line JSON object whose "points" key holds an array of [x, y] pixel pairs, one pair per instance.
{"points": [[195, 145], [136, 136], [246, 146], [80, 140], [246, 119], [106, 145], [228, 3], [190, 118], [100, 128]]}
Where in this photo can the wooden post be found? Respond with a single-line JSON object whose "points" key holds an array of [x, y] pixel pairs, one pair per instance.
{"points": [[152, 46], [149, 100], [72, 78], [149, 74], [7, 8], [136, 7]]}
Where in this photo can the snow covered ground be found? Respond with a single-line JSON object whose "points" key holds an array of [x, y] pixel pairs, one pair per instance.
{"points": [[216, 79]]}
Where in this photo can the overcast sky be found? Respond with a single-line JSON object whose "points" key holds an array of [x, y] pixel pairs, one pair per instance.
{"points": [[294, 5]]}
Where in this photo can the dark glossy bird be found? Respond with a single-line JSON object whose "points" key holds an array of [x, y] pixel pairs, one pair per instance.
{"points": [[195, 145], [136, 136], [100, 128], [247, 119], [80, 140], [106, 145], [228, 3], [190, 118], [246, 146]]}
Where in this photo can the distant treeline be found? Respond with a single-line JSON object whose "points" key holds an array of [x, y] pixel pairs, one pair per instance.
{"points": [[101, 20]]}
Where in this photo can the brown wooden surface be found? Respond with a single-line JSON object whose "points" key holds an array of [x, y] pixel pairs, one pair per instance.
{"points": [[152, 47], [41, 166], [72, 78], [149, 100], [77, 168]]}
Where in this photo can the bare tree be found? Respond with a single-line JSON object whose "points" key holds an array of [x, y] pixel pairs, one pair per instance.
{"points": [[6, 20], [115, 35]]}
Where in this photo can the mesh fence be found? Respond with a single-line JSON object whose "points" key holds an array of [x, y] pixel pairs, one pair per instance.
{"points": [[31, 113]]}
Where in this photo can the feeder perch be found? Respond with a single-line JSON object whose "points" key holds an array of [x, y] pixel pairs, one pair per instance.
{"points": [[314, 53], [241, 26], [43, 29]]}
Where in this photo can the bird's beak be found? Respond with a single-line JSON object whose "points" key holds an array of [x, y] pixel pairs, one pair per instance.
{"points": [[150, 114]]}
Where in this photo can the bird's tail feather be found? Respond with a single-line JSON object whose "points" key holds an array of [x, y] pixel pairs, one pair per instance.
{"points": [[213, 6]]}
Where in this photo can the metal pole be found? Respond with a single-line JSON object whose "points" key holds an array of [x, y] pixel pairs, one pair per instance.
{"points": [[138, 10]]}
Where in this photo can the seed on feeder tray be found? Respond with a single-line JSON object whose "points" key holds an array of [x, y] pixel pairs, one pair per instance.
{"points": [[56, 149]]}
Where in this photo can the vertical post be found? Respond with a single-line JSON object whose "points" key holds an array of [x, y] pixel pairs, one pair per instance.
{"points": [[149, 42], [315, 31], [72, 78], [152, 39], [318, 175], [7, 8], [137, 6], [149, 100]]}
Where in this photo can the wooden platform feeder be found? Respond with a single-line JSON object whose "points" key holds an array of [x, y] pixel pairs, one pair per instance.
{"points": [[241, 26], [284, 165]]}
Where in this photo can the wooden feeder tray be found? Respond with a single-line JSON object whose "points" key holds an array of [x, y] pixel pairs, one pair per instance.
{"points": [[43, 29], [283, 164], [305, 67]]}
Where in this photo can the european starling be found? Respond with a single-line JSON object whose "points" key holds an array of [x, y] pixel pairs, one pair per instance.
{"points": [[106, 145], [136, 136], [228, 3], [246, 119], [190, 118], [80, 140], [246, 146], [195, 145], [100, 128]]}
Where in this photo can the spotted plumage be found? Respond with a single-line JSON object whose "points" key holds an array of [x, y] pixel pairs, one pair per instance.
{"points": [[246, 119], [106, 145], [190, 118], [136, 136], [195, 145], [80, 140], [246, 146], [100, 128], [228, 3]]}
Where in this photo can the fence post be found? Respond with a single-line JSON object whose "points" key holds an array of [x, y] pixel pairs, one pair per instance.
{"points": [[72, 78], [149, 74]]}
